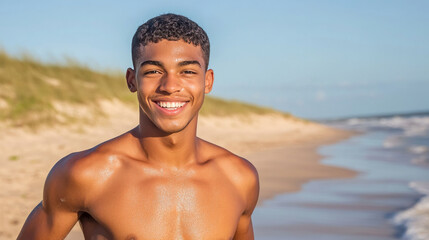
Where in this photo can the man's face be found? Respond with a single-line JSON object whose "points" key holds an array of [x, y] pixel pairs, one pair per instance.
{"points": [[170, 80]]}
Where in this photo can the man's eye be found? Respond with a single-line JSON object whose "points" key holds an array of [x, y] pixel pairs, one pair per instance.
{"points": [[189, 72], [151, 72]]}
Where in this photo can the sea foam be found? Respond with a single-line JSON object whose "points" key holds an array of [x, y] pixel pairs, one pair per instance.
{"points": [[408, 133], [416, 219], [411, 125]]}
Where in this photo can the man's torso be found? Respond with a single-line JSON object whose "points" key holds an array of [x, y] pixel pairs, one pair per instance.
{"points": [[136, 200]]}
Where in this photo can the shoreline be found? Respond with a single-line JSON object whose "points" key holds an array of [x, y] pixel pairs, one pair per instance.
{"points": [[286, 169], [284, 150], [378, 204]]}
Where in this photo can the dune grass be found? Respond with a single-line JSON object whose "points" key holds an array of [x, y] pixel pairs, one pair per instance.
{"points": [[29, 89], [221, 107]]}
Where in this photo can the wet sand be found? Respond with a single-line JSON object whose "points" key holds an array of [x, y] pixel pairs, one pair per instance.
{"points": [[283, 150]]}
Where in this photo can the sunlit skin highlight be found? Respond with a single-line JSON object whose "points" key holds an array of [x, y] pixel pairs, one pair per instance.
{"points": [[158, 180]]}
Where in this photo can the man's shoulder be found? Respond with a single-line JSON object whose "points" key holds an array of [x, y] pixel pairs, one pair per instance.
{"points": [[76, 169], [83, 167], [238, 169], [88, 169]]}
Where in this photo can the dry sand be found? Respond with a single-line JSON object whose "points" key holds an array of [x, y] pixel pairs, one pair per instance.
{"points": [[283, 150]]}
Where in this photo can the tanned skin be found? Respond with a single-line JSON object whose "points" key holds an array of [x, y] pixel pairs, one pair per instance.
{"points": [[159, 180]]}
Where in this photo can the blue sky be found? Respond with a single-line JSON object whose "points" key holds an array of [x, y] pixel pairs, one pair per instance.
{"points": [[315, 59]]}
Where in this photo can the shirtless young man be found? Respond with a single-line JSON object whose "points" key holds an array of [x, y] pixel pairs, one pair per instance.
{"points": [[159, 180]]}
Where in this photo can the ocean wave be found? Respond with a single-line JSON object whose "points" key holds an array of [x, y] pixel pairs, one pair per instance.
{"points": [[411, 125], [418, 149], [421, 161], [392, 142], [416, 218]]}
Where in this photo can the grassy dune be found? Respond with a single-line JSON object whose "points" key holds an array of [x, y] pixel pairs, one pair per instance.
{"points": [[30, 90]]}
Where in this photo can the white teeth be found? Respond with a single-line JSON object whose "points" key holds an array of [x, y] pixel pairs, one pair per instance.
{"points": [[171, 105]]}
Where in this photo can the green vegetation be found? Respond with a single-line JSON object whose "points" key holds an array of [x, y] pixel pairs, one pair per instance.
{"points": [[220, 107], [13, 158], [30, 89]]}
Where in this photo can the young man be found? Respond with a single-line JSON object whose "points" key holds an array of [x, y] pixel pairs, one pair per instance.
{"points": [[157, 181]]}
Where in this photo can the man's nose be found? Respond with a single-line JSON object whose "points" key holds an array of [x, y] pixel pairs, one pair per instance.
{"points": [[170, 84]]}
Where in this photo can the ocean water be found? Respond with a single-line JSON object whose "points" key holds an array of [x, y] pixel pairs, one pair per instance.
{"points": [[389, 199]]}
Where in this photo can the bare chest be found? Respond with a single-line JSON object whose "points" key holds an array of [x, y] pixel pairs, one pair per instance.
{"points": [[168, 208]]}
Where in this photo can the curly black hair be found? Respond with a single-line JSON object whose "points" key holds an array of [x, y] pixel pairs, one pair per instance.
{"points": [[171, 27]]}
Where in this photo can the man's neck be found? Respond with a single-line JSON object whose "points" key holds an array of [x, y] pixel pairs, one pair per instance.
{"points": [[174, 150]]}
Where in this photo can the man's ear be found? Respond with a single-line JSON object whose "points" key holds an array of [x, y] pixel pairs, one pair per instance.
{"points": [[131, 79], [208, 82]]}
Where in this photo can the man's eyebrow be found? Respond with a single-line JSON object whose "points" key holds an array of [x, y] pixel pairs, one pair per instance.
{"points": [[150, 62], [184, 63]]}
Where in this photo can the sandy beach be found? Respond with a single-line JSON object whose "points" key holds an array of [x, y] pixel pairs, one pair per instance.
{"points": [[284, 150]]}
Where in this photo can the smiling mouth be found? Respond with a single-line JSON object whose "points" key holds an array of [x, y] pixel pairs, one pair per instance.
{"points": [[170, 105]]}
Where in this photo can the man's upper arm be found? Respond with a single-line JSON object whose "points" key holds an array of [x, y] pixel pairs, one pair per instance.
{"points": [[54, 217], [251, 186], [43, 224]]}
